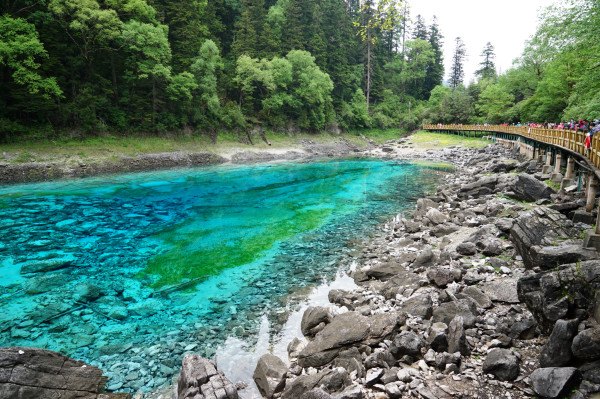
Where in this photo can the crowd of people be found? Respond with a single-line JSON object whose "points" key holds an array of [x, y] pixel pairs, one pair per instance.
{"points": [[582, 125]]}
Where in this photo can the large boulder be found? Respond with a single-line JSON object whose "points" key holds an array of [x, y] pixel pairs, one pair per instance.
{"points": [[545, 238], [457, 338], [502, 363], [42, 374], [449, 310], [586, 344], [348, 329], [328, 380], [528, 188], [560, 294], [442, 276], [557, 351], [504, 290], [406, 343], [199, 377], [314, 320], [483, 186], [554, 382], [419, 305], [269, 375]]}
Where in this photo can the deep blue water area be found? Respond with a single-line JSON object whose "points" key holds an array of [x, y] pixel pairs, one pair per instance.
{"points": [[129, 272]]}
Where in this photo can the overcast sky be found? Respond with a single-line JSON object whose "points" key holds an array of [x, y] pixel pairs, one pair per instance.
{"points": [[507, 24]]}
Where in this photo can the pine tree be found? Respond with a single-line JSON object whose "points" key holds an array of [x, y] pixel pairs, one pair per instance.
{"points": [[457, 73], [435, 70], [420, 29], [249, 29], [488, 67]]}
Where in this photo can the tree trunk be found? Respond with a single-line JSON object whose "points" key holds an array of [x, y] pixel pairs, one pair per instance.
{"points": [[368, 94]]}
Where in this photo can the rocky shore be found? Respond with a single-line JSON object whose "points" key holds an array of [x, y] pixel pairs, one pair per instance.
{"points": [[485, 291]]}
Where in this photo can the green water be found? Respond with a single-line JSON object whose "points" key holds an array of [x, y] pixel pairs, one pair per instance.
{"points": [[128, 272]]}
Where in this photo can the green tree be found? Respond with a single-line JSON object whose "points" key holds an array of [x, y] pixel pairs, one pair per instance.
{"points": [[457, 72], [488, 67], [494, 103], [435, 70]]}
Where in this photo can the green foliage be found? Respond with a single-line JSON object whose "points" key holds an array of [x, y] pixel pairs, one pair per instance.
{"points": [[494, 103], [20, 51]]}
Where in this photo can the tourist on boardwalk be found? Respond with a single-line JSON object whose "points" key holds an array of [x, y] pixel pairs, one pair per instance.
{"points": [[588, 143]]}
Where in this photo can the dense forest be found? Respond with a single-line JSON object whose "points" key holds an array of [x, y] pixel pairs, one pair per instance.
{"points": [[158, 65], [557, 78], [91, 66]]}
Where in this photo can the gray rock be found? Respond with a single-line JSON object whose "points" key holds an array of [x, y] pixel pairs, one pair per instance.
{"points": [[383, 359], [545, 238], [442, 276], [351, 361], [483, 186], [314, 320], [438, 339], [557, 351], [480, 298], [406, 343], [373, 376], [436, 217], [329, 380], [444, 359], [457, 339], [269, 375], [47, 265], [554, 382], [351, 392], [560, 294], [466, 248], [419, 305], [345, 330], [502, 363], [42, 374], [586, 344], [200, 376], [316, 393], [449, 310], [425, 258], [504, 290], [528, 188]]}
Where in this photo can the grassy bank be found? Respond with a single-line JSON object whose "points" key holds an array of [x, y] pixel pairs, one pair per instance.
{"points": [[104, 147]]}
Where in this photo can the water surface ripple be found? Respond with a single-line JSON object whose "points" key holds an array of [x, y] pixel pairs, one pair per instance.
{"points": [[129, 272]]}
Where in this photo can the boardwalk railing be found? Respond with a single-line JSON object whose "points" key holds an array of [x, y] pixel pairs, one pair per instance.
{"points": [[566, 139]]}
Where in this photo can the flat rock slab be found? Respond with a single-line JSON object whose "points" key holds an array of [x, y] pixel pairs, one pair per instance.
{"points": [[504, 290], [42, 374]]}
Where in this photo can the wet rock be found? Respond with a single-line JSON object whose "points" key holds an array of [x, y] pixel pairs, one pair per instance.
{"points": [[269, 375], [86, 292], [586, 344], [457, 339], [314, 320], [557, 351], [200, 376], [528, 188], [449, 310], [42, 374], [406, 343], [47, 265], [554, 382], [502, 363]]}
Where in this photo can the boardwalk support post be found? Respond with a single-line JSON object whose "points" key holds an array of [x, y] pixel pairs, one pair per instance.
{"points": [[592, 189], [569, 174], [548, 166], [592, 238], [557, 176]]}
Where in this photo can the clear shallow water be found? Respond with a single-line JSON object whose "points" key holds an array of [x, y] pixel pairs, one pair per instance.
{"points": [[129, 272]]}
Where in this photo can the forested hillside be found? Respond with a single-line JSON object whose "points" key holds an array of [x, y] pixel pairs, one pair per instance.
{"points": [[557, 78], [165, 65]]}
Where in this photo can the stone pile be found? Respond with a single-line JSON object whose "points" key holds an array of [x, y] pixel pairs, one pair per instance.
{"points": [[485, 292]]}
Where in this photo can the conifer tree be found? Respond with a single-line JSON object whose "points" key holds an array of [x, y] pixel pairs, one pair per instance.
{"points": [[488, 67], [249, 28], [457, 73], [435, 70], [420, 29]]}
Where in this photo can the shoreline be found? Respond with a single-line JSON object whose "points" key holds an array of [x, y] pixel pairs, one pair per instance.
{"points": [[73, 168]]}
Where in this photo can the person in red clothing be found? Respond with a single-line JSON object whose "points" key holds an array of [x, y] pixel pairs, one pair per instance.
{"points": [[588, 143]]}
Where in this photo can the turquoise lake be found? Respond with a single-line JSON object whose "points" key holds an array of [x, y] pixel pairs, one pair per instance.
{"points": [[128, 272]]}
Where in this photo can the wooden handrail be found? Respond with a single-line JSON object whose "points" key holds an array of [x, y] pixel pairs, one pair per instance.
{"points": [[566, 139]]}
